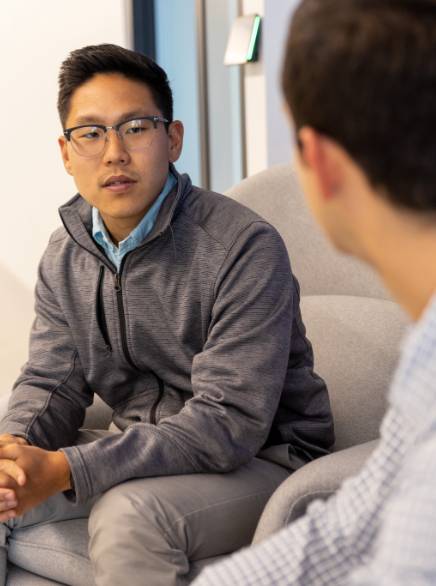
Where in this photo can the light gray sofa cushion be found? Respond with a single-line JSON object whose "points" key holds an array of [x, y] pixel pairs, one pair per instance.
{"points": [[276, 195], [356, 344], [19, 577], [59, 548]]}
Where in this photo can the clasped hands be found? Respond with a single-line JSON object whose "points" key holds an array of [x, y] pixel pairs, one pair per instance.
{"points": [[28, 476]]}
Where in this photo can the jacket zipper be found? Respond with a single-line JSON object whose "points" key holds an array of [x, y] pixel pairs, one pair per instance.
{"points": [[101, 317], [117, 277], [122, 319], [128, 356], [157, 400]]}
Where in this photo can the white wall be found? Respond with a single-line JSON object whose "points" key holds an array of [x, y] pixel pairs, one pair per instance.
{"points": [[35, 37], [256, 135], [267, 129], [277, 18]]}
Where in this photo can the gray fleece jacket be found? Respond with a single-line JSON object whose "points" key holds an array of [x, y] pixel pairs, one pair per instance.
{"points": [[197, 344]]}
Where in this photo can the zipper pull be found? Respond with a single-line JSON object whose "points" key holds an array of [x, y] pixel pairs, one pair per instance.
{"points": [[117, 280]]}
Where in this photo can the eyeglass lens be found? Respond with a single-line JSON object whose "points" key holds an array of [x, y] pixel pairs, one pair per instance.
{"points": [[90, 141]]}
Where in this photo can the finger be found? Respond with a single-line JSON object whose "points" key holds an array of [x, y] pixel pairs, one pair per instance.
{"points": [[8, 505], [10, 452], [7, 482], [7, 494], [12, 469], [7, 516], [7, 438]]}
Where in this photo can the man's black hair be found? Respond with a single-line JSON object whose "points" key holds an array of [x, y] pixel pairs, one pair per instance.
{"points": [[82, 64], [363, 72]]}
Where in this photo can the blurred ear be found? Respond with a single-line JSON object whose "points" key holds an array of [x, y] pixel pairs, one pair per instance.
{"points": [[175, 140], [63, 145], [320, 154]]}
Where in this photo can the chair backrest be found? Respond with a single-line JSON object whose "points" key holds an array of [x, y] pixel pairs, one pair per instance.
{"points": [[353, 326], [355, 342], [276, 196]]}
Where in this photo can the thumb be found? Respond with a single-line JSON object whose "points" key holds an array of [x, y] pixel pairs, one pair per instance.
{"points": [[12, 469]]}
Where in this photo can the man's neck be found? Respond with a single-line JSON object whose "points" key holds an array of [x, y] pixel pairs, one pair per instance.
{"points": [[405, 259], [120, 228]]}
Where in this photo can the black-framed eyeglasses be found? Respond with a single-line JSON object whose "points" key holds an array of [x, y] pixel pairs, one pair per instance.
{"points": [[89, 140]]}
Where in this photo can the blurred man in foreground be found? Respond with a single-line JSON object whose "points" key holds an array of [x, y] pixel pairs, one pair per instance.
{"points": [[359, 79]]}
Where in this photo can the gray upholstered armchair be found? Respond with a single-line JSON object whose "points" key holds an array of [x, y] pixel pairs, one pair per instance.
{"points": [[355, 330]]}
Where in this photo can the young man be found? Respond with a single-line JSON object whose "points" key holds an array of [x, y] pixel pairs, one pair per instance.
{"points": [[177, 306], [360, 82]]}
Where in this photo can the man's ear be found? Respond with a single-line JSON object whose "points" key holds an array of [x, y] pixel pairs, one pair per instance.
{"points": [[63, 145], [175, 140], [319, 153]]}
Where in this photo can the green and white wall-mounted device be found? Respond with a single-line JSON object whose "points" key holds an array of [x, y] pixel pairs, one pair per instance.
{"points": [[243, 43]]}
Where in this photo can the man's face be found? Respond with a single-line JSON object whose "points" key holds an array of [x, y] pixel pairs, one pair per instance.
{"points": [[110, 99]]}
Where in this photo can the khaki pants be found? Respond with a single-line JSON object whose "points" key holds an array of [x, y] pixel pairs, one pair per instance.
{"points": [[148, 532]]}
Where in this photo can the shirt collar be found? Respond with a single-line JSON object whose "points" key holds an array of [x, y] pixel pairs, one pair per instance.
{"points": [[141, 231]]}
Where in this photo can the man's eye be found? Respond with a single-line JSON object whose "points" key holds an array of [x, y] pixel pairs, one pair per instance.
{"points": [[136, 130], [88, 134], [91, 135]]}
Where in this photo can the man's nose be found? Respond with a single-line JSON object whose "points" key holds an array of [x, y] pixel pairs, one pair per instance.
{"points": [[115, 150]]}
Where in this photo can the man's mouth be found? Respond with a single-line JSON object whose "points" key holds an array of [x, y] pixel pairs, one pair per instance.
{"points": [[118, 182]]}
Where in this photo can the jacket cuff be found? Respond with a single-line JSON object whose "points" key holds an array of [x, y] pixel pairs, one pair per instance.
{"points": [[81, 488]]}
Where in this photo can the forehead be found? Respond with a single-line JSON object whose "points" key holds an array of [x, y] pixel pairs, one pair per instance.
{"points": [[109, 97]]}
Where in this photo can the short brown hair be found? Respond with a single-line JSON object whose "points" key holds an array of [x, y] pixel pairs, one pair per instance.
{"points": [[363, 72]]}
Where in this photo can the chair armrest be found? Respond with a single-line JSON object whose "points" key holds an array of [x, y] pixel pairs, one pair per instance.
{"points": [[318, 479]]}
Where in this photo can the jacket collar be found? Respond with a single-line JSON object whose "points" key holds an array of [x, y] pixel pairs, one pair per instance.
{"points": [[76, 215]]}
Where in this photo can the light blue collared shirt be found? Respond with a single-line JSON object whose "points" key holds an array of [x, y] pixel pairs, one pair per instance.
{"points": [[137, 235]]}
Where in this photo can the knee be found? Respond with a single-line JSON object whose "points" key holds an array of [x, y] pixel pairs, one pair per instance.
{"points": [[127, 505], [112, 507], [129, 513]]}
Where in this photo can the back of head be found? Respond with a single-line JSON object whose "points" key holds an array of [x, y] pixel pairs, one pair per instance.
{"points": [[363, 72], [82, 64]]}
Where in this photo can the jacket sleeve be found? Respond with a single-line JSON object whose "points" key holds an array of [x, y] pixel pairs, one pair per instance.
{"points": [[237, 379], [49, 398]]}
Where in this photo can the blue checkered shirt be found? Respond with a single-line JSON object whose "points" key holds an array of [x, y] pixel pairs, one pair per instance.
{"points": [[380, 527]]}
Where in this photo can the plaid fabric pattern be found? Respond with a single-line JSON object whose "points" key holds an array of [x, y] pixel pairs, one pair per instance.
{"points": [[380, 527]]}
